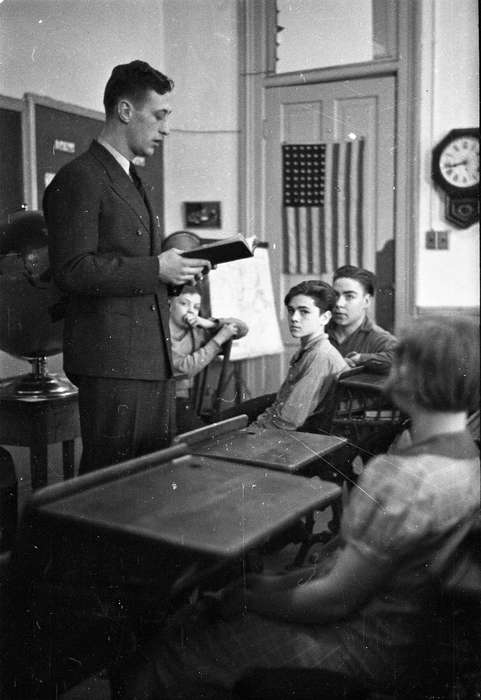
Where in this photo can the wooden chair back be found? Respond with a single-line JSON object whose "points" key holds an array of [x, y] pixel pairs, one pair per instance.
{"points": [[210, 386]]}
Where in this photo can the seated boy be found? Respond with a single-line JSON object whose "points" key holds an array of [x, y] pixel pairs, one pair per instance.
{"points": [[195, 342], [362, 343], [315, 367], [351, 331]]}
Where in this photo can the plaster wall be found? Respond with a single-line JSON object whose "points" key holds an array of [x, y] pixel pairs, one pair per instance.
{"points": [[201, 153], [449, 99]]}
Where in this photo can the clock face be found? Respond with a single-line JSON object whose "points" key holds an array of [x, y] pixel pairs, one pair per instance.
{"points": [[459, 162]]}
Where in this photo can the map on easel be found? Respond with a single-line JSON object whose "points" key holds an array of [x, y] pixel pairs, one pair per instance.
{"points": [[243, 289]]}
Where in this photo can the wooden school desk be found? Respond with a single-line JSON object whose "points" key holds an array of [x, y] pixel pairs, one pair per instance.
{"points": [[202, 505], [99, 555], [283, 450], [369, 381], [361, 399], [233, 441], [367, 417]]}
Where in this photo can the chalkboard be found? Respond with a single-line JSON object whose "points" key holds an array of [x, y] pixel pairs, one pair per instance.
{"points": [[11, 179], [243, 289], [56, 133]]}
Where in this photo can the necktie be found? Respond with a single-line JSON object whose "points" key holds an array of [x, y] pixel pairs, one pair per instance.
{"points": [[138, 184], [136, 179]]}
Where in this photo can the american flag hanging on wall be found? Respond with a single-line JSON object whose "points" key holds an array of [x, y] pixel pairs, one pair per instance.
{"points": [[322, 206]]}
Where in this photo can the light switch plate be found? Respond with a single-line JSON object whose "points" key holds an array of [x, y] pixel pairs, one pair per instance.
{"points": [[431, 240], [442, 240]]}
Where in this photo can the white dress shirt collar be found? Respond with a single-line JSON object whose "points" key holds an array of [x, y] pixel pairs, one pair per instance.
{"points": [[121, 159]]}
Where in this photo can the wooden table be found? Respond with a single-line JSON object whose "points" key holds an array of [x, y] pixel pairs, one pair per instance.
{"points": [[208, 506], [100, 556], [36, 422], [283, 450]]}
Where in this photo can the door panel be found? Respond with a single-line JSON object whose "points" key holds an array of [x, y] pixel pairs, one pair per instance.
{"points": [[301, 119], [330, 112]]}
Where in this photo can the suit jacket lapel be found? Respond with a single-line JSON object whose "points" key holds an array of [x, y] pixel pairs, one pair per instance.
{"points": [[122, 184]]}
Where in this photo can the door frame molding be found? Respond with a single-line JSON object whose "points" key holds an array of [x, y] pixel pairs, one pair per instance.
{"points": [[257, 28]]}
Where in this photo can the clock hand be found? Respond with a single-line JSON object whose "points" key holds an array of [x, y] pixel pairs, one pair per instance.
{"points": [[455, 165]]}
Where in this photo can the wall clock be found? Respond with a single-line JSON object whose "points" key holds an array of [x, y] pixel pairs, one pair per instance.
{"points": [[455, 169]]}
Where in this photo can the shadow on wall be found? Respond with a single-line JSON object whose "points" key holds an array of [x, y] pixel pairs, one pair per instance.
{"points": [[385, 286]]}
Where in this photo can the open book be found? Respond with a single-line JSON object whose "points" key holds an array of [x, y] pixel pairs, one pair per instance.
{"points": [[223, 250]]}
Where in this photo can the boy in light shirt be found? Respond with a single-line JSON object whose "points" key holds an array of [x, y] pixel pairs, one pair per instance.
{"points": [[195, 342], [314, 368]]}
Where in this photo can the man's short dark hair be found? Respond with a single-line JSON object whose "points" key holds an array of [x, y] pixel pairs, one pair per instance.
{"points": [[322, 294], [440, 360], [132, 80], [365, 278]]}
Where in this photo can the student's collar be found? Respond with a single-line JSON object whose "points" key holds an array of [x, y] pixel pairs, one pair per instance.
{"points": [[459, 445], [312, 341], [364, 327], [314, 338]]}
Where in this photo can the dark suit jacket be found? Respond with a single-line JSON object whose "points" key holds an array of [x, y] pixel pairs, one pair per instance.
{"points": [[103, 252]]}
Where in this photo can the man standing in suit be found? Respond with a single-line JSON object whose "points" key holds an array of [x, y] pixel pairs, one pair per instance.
{"points": [[105, 254]]}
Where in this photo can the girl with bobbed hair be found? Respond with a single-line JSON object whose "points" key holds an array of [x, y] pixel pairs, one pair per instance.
{"points": [[437, 365], [362, 615]]}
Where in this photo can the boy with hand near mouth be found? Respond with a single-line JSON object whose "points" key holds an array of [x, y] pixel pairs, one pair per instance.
{"points": [[195, 342]]}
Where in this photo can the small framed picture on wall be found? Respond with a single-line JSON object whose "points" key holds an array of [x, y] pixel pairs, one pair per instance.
{"points": [[202, 215]]}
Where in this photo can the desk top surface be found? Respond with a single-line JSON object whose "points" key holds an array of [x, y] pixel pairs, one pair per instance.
{"points": [[288, 451], [365, 380], [212, 507]]}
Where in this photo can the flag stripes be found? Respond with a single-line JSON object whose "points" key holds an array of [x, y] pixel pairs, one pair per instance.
{"points": [[322, 206]]}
